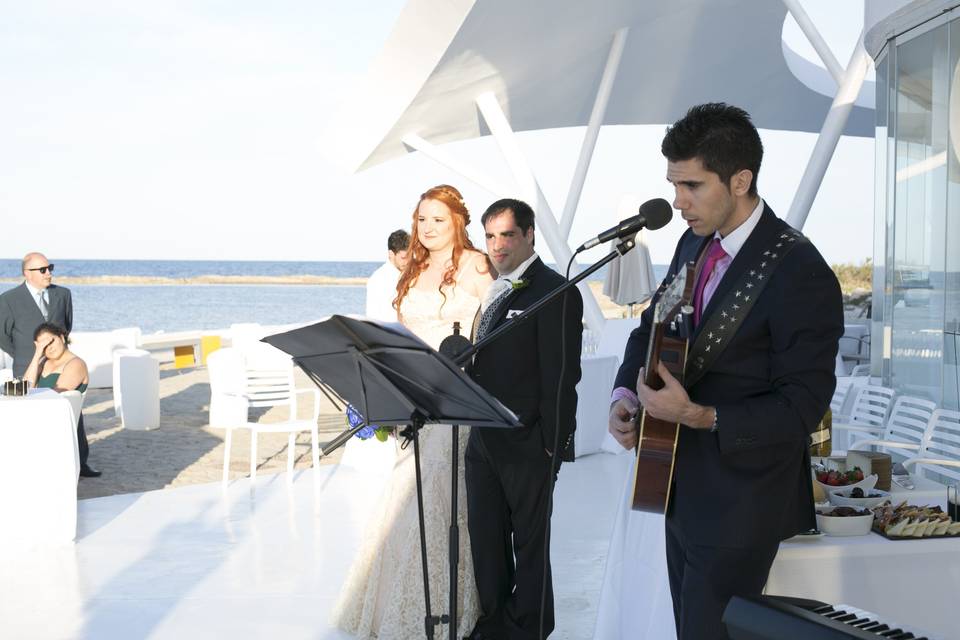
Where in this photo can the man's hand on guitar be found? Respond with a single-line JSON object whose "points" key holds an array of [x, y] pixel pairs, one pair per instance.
{"points": [[671, 403], [620, 423]]}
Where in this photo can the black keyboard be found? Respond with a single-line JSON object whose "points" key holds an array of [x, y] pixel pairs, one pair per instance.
{"points": [[782, 618]]}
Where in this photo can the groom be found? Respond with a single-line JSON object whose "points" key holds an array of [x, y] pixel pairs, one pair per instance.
{"points": [[509, 472]]}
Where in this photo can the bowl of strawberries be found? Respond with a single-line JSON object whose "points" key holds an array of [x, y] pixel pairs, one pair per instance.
{"points": [[833, 479]]}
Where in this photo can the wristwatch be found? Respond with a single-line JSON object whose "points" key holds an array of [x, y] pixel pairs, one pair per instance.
{"points": [[716, 418]]}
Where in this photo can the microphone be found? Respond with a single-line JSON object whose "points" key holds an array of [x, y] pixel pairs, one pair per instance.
{"points": [[653, 215]]}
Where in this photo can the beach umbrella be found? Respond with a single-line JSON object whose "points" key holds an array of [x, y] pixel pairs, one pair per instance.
{"points": [[630, 278]]}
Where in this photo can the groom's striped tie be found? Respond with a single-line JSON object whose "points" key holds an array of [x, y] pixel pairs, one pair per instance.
{"points": [[497, 296]]}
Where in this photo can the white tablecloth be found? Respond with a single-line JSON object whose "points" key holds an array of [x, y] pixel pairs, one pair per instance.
{"points": [[38, 477], [593, 402], [912, 581]]}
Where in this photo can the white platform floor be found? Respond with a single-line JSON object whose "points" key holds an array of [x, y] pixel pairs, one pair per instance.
{"points": [[263, 562]]}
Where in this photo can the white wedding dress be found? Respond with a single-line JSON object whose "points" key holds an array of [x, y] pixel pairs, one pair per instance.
{"points": [[382, 597]]}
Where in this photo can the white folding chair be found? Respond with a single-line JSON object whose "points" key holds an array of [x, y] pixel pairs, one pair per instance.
{"points": [[909, 420], [860, 370], [258, 379], [940, 452], [843, 396], [868, 415]]}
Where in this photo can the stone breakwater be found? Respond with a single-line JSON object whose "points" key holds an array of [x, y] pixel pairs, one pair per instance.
{"points": [[205, 279]]}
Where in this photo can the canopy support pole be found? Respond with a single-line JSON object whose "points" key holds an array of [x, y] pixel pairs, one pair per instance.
{"points": [[546, 221], [813, 35], [441, 157], [593, 131], [830, 133]]}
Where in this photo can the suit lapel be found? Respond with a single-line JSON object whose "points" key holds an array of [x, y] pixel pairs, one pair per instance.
{"points": [[759, 239], [55, 297], [29, 304]]}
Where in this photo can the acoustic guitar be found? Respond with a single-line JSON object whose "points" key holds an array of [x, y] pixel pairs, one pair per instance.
{"points": [[657, 445]]}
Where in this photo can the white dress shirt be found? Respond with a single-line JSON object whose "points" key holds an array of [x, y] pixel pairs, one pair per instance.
{"points": [[35, 294], [381, 290], [731, 246], [504, 282]]}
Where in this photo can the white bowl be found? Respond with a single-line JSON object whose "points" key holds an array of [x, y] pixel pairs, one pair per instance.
{"points": [[841, 498], [845, 525], [868, 482]]}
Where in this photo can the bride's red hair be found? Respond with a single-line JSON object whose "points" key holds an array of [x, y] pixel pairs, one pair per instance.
{"points": [[419, 255]]}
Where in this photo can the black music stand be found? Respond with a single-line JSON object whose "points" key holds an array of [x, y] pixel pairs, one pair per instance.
{"points": [[393, 378]]}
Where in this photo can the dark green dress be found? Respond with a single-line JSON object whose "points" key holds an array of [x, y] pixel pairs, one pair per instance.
{"points": [[49, 381]]}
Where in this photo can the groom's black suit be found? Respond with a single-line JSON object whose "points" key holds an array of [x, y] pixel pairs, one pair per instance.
{"points": [[507, 470]]}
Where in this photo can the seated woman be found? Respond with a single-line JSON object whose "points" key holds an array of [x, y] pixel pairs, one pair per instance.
{"points": [[55, 367]]}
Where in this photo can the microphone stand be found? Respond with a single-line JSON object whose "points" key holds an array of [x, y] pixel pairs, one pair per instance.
{"points": [[622, 247]]}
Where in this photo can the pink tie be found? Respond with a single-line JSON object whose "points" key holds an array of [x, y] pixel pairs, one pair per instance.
{"points": [[714, 254]]}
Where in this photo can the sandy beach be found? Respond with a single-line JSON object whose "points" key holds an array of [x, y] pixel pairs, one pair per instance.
{"points": [[185, 449]]}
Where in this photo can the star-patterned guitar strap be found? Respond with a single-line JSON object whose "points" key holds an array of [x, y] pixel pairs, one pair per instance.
{"points": [[717, 330]]}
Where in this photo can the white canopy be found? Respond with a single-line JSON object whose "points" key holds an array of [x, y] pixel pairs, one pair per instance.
{"points": [[543, 61], [885, 19]]}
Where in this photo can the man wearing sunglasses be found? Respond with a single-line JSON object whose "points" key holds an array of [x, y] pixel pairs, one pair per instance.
{"points": [[26, 307]]}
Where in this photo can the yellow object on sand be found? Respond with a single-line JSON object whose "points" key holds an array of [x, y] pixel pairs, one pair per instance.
{"points": [[208, 344], [183, 356]]}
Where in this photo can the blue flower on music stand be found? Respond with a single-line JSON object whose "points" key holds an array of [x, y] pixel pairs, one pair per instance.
{"points": [[355, 419]]}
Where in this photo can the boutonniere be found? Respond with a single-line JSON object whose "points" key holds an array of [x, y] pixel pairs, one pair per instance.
{"points": [[520, 284]]}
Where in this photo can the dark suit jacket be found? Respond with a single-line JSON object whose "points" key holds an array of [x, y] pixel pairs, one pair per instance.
{"points": [[20, 316], [522, 370], [749, 482]]}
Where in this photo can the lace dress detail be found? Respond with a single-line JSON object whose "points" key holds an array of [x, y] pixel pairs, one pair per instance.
{"points": [[382, 596]]}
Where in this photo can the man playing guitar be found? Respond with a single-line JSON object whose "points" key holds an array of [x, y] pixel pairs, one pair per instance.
{"points": [[761, 345]]}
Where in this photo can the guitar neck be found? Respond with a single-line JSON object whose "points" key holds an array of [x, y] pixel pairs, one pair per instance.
{"points": [[650, 376]]}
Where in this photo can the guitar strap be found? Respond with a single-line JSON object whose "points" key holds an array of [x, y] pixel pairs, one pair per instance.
{"points": [[723, 323]]}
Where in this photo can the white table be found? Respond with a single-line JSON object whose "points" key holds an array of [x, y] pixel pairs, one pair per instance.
{"points": [[925, 492], [41, 465], [593, 402], [911, 581]]}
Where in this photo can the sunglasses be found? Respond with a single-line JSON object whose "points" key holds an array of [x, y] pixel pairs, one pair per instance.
{"points": [[49, 268]]}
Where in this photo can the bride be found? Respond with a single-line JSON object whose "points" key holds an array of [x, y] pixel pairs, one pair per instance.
{"points": [[382, 597]]}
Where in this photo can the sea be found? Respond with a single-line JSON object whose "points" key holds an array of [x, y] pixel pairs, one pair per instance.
{"points": [[186, 307]]}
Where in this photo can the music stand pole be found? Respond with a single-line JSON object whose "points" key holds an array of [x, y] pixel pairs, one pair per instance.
{"points": [[453, 544], [416, 423]]}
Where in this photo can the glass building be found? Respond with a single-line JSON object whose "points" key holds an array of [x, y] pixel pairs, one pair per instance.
{"points": [[916, 301]]}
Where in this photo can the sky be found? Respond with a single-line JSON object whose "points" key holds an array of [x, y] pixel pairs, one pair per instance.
{"points": [[195, 130]]}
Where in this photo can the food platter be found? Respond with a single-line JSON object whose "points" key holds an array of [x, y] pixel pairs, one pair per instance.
{"points": [[911, 522], [876, 530]]}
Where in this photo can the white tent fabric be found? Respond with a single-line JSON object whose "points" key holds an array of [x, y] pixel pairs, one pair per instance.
{"points": [[884, 19], [543, 60]]}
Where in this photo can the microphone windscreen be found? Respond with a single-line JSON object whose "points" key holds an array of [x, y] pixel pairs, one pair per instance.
{"points": [[657, 213]]}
